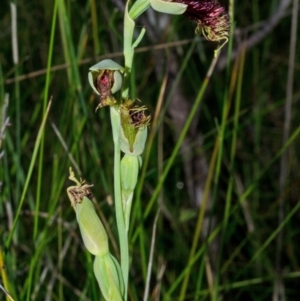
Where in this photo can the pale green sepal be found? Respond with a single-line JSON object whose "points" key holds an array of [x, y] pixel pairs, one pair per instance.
{"points": [[118, 81], [106, 64], [109, 276], [167, 7], [92, 231], [138, 8], [91, 77], [133, 143], [118, 276]]}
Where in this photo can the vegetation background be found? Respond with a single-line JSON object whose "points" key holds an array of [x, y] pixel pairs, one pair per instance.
{"points": [[239, 159]]}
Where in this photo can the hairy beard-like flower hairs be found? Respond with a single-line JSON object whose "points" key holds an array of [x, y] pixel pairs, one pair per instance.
{"points": [[210, 16]]}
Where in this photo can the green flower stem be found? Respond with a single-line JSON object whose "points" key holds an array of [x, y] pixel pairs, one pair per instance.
{"points": [[123, 233], [129, 46], [128, 51]]}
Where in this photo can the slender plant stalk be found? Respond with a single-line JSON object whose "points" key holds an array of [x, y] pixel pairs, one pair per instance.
{"points": [[123, 234], [128, 51]]}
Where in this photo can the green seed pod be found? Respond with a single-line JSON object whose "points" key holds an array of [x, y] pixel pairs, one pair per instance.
{"points": [[168, 7], [105, 78], [109, 276], [92, 231], [133, 131]]}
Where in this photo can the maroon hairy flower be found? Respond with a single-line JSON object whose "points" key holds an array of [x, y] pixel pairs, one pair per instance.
{"points": [[103, 83], [134, 115], [211, 18]]}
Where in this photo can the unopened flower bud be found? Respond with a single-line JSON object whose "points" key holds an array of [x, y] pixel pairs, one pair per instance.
{"points": [[109, 276], [92, 231], [133, 131], [105, 78], [130, 166]]}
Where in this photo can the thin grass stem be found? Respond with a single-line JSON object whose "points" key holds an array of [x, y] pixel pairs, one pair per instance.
{"points": [[46, 95], [29, 174]]}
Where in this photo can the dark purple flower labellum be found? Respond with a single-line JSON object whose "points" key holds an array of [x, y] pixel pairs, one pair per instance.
{"points": [[211, 18], [103, 83]]}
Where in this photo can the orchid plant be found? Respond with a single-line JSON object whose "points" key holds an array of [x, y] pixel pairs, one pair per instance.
{"points": [[129, 130]]}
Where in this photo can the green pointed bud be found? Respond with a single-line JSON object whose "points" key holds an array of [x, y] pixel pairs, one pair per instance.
{"points": [[105, 78], [168, 7], [92, 231], [130, 166], [133, 131], [109, 276]]}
